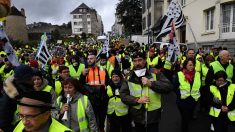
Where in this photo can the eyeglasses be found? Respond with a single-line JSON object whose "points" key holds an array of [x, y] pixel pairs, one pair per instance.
{"points": [[29, 117]]}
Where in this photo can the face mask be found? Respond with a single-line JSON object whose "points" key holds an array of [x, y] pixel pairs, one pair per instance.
{"points": [[75, 64], [140, 73]]}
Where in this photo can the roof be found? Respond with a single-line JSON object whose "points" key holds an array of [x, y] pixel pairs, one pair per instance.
{"points": [[15, 12], [82, 6]]}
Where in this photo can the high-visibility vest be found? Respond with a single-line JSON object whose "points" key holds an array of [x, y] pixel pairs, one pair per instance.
{"points": [[58, 88], [54, 67], [81, 112], [2, 70], [204, 73], [138, 91], [167, 65], [230, 95], [112, 60], [198, 66], [115, 104], [96, 76], [185, 87], [74, 73], [6, 75], [218, 67], [108, 67], [47, 88], [54, 127], [154, 62]]}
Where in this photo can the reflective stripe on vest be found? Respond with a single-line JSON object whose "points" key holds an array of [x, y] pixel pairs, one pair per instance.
{"points": [[230, 95], [185, 87], [115, 104], [54, 127], [81, 114], [218, 67], [74, 73], [96, 76], [204, 73], [137, 91]]}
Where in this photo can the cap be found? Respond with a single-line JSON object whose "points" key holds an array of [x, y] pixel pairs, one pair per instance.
{"points": [[139, 55], [38, 99], [117, 72]]}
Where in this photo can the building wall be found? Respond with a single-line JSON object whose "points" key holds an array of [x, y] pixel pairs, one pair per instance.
{"points": [[15, 28]]}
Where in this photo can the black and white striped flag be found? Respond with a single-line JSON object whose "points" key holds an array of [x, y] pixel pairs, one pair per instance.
{"points": [[175, 14], [43, 54]]}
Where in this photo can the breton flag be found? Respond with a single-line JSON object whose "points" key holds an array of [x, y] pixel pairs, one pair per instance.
{"points": [[105, 48], [11, 56], [43, 54], [173, 48], [175, 14]]}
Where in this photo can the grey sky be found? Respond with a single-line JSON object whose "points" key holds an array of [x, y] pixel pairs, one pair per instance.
{"points": [[58, 11]]}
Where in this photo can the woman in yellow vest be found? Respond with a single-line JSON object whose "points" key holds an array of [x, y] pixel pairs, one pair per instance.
{"points": [[80, 116], [187, 87], [117, 111], [222, 103], [41, 84]]}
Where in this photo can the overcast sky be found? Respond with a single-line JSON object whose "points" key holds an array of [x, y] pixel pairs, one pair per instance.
{"points": [[58, 11]]}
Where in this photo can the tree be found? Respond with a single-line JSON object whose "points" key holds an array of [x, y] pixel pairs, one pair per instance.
{"points": [[130, 14], [55, 35]]}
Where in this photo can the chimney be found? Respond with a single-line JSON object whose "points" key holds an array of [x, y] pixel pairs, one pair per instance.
{"points": [[22, 11]]}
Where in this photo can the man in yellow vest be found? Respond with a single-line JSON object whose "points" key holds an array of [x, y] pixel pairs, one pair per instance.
{"points": [[117, 111], [142, 93], [222, 103], [76, 67], [63, 75], [221, 64], [35, 114]]}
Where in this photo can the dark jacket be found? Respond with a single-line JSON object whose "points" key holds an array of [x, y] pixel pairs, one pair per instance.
{"points": [[162, 85], [11, 91]]}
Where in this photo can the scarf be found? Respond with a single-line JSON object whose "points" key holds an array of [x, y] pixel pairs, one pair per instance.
{"points": [[189, 75]]}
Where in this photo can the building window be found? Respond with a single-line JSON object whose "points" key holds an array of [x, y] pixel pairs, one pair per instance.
{"points": [[75, 17], [80, 16], [209, 19], [88, 23], [88, 16], [75, 23], [80, 29], [183, 2], [80, 23], [228, 18]]}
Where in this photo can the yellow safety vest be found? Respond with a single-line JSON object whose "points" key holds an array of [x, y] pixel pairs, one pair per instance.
{"points": [[58, 88], [47, 88], [108, 67], [185, 87], [230, 95], [167, 65], [54, 127], [218, 67], [138, 91], [115, 104], [81, 114], [74, 73], [204, 73], [153, 63]]}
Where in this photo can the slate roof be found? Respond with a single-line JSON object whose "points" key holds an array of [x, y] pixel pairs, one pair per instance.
{"points": [[15, 12], [82, 6]]}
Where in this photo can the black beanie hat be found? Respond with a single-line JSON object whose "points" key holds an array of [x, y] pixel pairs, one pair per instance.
{"points": [[117, 72], [23, 72]]}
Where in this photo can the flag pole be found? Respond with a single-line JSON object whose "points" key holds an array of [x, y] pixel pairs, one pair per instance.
{"points": [[191, 30]]}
